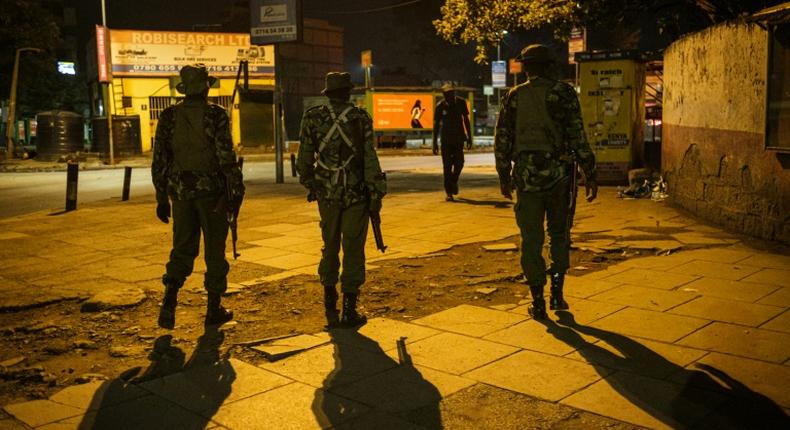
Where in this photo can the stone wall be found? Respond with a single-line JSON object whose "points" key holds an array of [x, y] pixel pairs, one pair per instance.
{"points": [[713, 151]]}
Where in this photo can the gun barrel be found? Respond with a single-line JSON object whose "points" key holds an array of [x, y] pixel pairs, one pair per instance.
{"points": [[375, 221]]}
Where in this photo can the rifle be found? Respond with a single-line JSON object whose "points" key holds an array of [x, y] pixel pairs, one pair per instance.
{"points": [[572, 198], [232, 211], [375, 221]]}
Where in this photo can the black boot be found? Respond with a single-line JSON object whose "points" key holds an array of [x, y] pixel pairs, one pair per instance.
{"points": [[215, 313], [350, 316], [330, 307], [557, 302], [537, 309], [167, 312]]}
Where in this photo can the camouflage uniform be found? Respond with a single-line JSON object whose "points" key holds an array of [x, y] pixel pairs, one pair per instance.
{"points": [[193, 159], [542, 178], [338, 165]]}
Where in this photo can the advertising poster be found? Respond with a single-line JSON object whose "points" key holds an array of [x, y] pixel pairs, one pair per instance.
{"points": [[499, 74], [399, 111], [163, 53], [275, 21]]}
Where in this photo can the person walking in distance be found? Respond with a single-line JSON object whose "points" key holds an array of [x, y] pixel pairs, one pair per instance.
{"points": [[451, 122]]}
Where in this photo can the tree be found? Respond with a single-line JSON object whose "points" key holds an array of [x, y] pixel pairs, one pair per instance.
{"points": [[481, 21]]}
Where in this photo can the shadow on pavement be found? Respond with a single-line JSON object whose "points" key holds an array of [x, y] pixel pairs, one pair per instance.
{"points": [[194, 389], [499, 204], [399, 396], [697, 401]]}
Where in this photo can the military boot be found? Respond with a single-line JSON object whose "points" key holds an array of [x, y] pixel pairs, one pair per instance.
{"points": [[167, 312], [537, 309], [556, 301], [350, 317], [330, 307], [215, 313]]}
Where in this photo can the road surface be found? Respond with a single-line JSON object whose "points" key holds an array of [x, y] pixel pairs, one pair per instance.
{"points": [[22, 193]]}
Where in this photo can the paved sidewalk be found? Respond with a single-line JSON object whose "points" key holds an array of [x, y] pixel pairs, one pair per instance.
{"points": [[700, 336]]}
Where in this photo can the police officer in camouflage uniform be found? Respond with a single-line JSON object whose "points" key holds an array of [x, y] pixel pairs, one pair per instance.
{"points": [[338, 165], [193, 162], [538, 131], [451, 121]]}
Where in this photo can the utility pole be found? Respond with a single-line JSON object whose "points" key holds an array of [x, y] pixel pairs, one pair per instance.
{"points": [[106, 86], [11, 121], [278, 119]]}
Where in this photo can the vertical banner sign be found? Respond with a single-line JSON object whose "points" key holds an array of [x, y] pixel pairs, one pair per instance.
{"points": [[576, 43], [367, 58], [275, 21], [101, 53], [499, 74]]}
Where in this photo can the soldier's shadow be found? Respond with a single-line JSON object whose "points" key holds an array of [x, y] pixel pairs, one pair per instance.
{"points": [[171, 393], [691, 398], [396, 395]]}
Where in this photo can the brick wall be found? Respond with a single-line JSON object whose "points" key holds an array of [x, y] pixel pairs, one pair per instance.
{"points": [[713, 151]]}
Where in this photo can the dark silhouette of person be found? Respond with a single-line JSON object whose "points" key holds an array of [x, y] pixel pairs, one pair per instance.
{"points": [[416, 113], [700, 402], [204, 383], [401, 391]]}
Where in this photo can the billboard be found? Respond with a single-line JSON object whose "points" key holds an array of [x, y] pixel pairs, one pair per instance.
{"points": [[399, 111], [576, 43], [163, 53], [101, 53]]}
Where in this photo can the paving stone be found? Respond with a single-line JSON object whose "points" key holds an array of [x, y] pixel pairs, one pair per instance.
{"points": [[734, 272], [773, 261], [470, 320], [727, 289], [382, 334], [730, 311], [290, 261], [112, 299], [645, 401], [780, 297], [148, 412], [6, 235], [738, 376], [780, 278], [644, 298], [542, 337], [203, 389], [455, 354], [640, 356], [780, 323], [504, 307], [379, 420], [10, 424], [694, 238], [501, 247], [338, 363], [720, 255], [605, 273], [294, 406], [98, 394], [649, 324], [283, 347], [743, 341], [39, 412], [539, 375], [581, 286], [258, 253], [651, 278], [660, 262], [404, 388]]}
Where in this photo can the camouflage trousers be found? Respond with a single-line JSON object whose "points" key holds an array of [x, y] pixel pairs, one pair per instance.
{"points": [[190, 219], [532, 208], [346, 227], [452, 164]]}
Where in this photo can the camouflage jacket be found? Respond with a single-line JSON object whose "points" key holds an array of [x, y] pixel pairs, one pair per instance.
{"points": [[339, 163], [537, 171], [214, 161]]}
